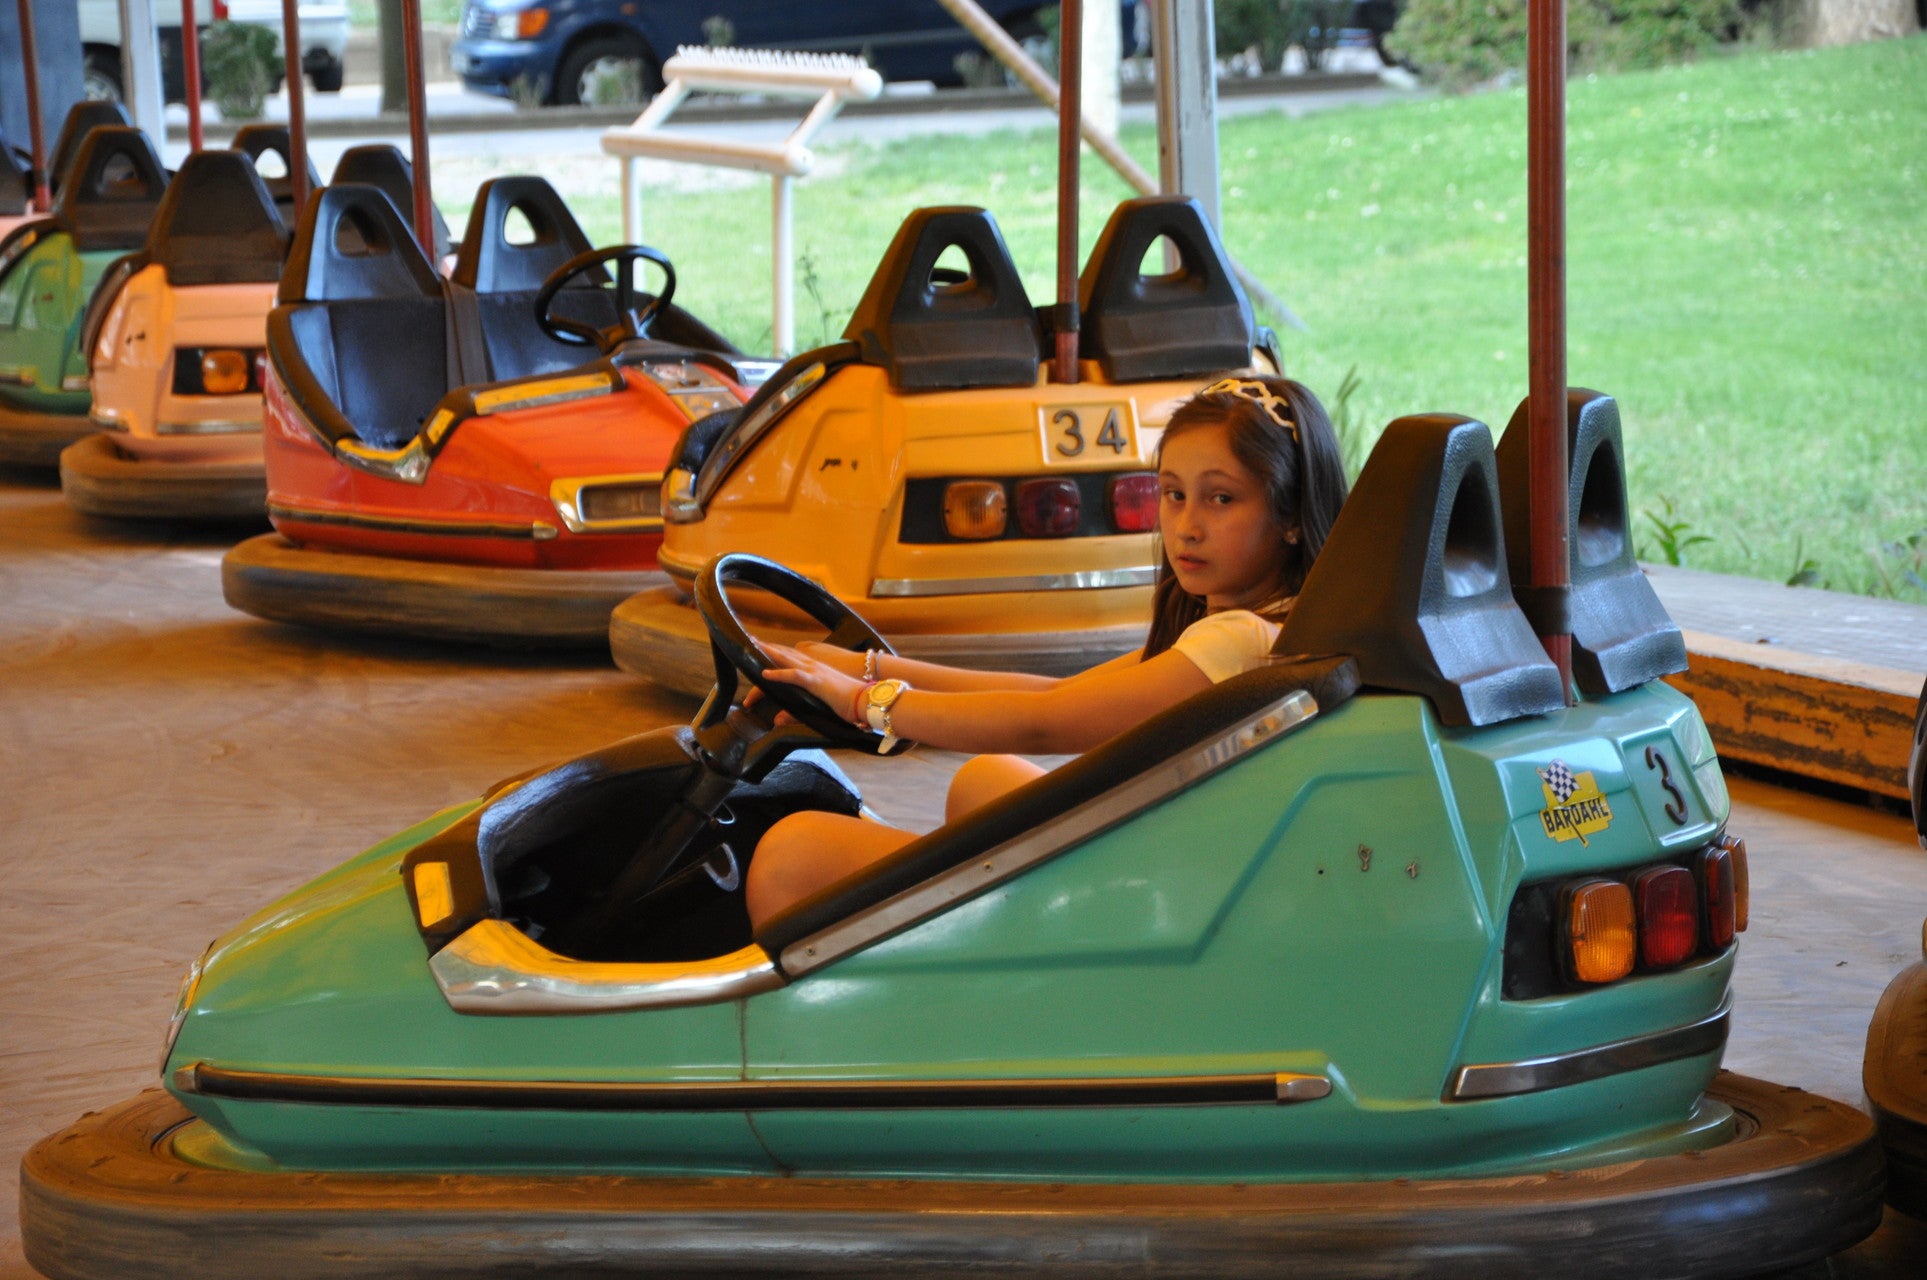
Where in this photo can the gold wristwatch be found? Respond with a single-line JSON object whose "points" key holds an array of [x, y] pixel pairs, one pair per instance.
{"points": [[876, 709]]}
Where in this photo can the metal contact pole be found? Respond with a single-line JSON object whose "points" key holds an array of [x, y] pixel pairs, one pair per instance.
{"points": [[1548, 521], [41, 192], [411, 23], [1070, 114], [297, 104]]}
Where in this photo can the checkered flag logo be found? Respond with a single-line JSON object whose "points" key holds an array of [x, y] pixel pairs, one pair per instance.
{"points": [[1559, 780]]}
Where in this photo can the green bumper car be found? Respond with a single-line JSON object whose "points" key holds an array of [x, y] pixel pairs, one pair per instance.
{"points": [[48, 269], [1383, 960]]}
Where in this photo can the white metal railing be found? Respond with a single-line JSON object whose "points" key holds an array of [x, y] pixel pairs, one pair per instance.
{"points": [[832, 79]]}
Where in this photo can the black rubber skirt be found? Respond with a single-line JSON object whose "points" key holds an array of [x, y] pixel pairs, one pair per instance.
{"points": [[1894, 1072], [108, 1200], [100, 480], [32, 439], [272, 578]]}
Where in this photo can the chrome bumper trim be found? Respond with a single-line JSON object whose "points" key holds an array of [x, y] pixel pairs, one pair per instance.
{"points": [[212, 427], [1532, 1075], [1092, 580], [538, 530], [783, 1094]]}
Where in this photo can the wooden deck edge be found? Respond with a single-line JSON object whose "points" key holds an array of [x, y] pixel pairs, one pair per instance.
{"points": [[1818, 717]]}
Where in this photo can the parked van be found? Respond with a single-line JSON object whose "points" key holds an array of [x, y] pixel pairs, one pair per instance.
{"points": [[560, 48]]}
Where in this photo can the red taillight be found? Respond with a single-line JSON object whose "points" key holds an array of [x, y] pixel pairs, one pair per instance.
{"points": [[1049, 508], [1134, 503], [1742, 886], [1668, 917], [1716, 892]]}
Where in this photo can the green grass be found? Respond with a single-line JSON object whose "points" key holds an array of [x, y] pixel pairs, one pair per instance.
{"points": [[367, 13], [1747, 259]]}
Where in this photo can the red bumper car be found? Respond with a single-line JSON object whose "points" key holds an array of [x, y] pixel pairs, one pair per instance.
{"points": [[478, 459]]}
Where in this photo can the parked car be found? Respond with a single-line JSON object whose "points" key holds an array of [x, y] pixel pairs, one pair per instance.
{"points": [[562, 47], [324, 40]]}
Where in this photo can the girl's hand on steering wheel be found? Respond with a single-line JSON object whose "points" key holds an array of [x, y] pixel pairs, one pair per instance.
{"points": [[848, 661], [838, 690]]}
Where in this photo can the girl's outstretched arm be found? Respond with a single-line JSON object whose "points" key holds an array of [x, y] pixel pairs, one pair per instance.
{"points": [[1071, 715], [942, 679]]}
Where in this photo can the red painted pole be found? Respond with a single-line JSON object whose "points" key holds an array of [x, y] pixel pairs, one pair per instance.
{"points": [[1070, 114], [1548, 520], [411, 27], [191, 73], [297, 104], [43, 199]]}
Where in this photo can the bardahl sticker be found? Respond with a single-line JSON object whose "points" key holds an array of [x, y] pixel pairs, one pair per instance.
{"points": [[1574, 807]]}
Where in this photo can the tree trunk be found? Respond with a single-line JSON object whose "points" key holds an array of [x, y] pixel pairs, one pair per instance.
{"points": [[1816, 24], [394, 64]]}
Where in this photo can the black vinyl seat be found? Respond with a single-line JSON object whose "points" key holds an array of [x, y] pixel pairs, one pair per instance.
{"points": [[359, 337], [113, 191], [1412, 581], [382, 165], [218, 224], [934, 334], [493, 286], [498, 274], [257, 140], [1186, 323], [82, 119], [1622, 635]]}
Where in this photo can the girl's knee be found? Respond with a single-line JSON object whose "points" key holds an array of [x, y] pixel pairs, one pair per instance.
{"points": [[983, 779]]}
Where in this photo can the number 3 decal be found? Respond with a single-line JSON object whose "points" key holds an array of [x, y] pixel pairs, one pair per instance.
{"points": [[1676, 807], [1069, 430]]}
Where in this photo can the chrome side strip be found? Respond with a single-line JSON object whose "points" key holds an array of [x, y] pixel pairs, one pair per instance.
{"points": [[752, 1095], [1091, 580], [1531, 1075], [493, 967], [538, 530], [209, 427], [1067, 830]]}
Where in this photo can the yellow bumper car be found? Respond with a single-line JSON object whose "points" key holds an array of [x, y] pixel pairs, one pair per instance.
{"points": [[929, 470]]}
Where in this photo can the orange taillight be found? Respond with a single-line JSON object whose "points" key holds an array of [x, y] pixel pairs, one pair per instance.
{"points": [[975, 509], [1742, 889], [1601, 943], [224, 372]]}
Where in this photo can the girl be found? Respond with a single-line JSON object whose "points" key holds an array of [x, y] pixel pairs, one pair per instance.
{"points": [[1250, 482]]}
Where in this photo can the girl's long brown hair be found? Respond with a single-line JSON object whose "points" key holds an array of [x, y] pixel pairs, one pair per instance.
{"points": [[1304, 481]]}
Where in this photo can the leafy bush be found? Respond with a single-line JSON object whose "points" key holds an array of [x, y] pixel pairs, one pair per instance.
{"points": [[1461, 43], [240, 62], [1269, 27]]}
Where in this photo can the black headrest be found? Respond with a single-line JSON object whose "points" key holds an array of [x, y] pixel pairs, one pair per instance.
{"points": [[217, 224], [110, 198], [352, 243], [257, 140], [1412, 581], [979, 332], [1622, 635], [381, 164], [82, 119], [1184, 323], [490, 263]]}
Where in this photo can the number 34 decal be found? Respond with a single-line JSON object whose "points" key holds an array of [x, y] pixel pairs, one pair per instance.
{"points": [[1080, 430]]}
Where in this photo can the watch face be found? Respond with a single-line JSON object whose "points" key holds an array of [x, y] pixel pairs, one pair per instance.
{"points": [[884, 692]]}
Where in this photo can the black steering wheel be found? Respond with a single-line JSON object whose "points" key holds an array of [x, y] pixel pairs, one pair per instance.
{"points": [[631, 321], [736, 651]]}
